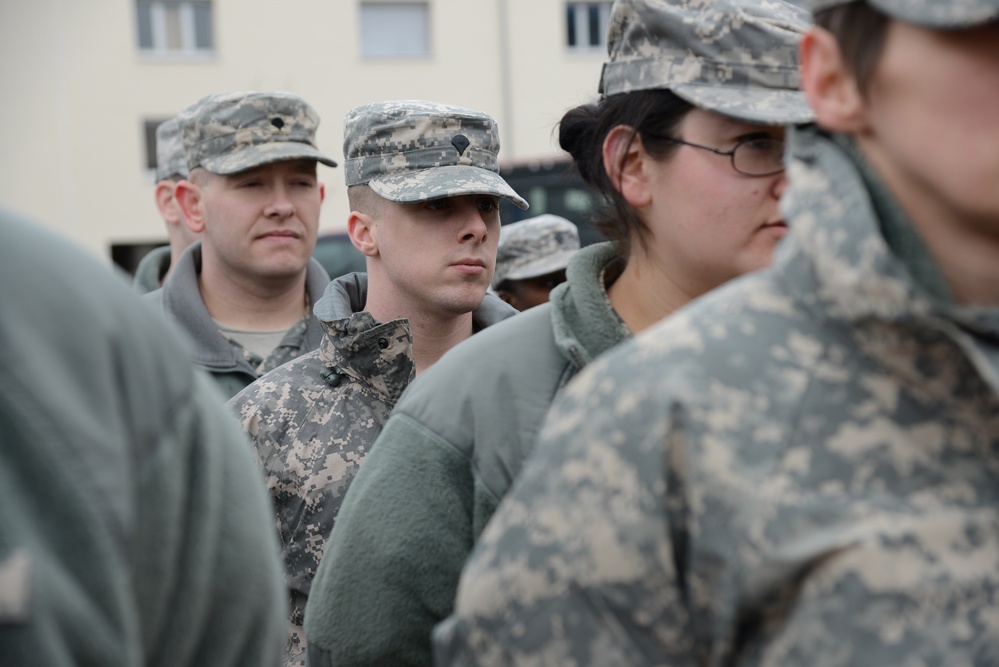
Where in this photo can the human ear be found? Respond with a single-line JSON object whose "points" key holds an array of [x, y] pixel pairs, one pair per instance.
{"points": [[360, 228], [189, 198], [322, 192], [164, 198], [830, 87], [625, 161]]}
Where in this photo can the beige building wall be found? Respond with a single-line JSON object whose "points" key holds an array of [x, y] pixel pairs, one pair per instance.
{"points": [[76, 89]]}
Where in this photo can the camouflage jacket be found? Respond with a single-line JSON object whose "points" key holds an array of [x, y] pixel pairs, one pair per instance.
{"points": [[313, 420], [151, 270], [230, 365], [133, 520], [439, 469], [799, 469]]}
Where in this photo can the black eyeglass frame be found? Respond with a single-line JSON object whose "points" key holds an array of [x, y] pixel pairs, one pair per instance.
{"points": [[730, 154]]}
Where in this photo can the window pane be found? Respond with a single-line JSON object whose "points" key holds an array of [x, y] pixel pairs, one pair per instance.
{"points": [[593, 23], [150, 134], [203, 25], [570, 15], [145, 25], [393, 30], [171, 20]]}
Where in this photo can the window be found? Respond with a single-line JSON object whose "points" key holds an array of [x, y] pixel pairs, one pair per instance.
{"points": [[175, 27], [586, 25], [395, 29], [149, 133]]}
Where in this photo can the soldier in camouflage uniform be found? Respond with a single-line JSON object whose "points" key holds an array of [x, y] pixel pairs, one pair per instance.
{"points": [[531, 259], [244, 293], [682, 216], [171, 167], [801, 468], [424, 191]]}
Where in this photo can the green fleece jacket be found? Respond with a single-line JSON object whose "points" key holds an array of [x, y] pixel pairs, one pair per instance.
{"points": [[134, 526], [447, 456]]}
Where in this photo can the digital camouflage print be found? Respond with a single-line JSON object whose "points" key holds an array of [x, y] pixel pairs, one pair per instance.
{"points": [[313, 420], [227, 133], [799, 469], [928, 13], [414, 150], [171, 160], [733, 57], [534, 247]]}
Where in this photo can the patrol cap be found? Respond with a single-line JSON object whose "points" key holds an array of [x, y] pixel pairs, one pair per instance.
{"points": [[170, 157], [227, 133], [413, 150], [534, 247], [941, 14], [732, 57]]}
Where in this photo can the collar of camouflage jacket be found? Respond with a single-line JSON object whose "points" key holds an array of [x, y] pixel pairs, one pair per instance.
{"points": [[836, 261]]}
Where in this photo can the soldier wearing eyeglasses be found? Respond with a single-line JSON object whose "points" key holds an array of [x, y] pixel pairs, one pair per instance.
{"points": [[683, 220]]}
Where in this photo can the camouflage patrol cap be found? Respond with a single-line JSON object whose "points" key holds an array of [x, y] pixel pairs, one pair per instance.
{"points": [[734, 57], [928, 13], [534, 247], [412, 150], [170, 157], [227, 133]]}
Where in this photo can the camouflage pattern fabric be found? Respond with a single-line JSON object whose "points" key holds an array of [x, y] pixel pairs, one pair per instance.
{"points": [[414, 150], [733, 57], [534, 247], [798, 469], [312, 422], [929, 13], [227, 133], [171, 160]]}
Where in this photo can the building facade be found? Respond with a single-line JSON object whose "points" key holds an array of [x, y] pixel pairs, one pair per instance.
{"points": [[85, 83]]}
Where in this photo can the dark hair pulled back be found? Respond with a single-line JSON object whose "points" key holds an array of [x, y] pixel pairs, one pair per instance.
{"points": [[651, 114], [860, 30]]}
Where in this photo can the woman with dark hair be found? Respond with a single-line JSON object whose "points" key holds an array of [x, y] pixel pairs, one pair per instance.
{"points": [[685, 145]]}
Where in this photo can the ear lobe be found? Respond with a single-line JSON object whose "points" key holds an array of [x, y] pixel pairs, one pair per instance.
{"points": [[830, 87], [188, 196], [624, 161], [361, 232]]}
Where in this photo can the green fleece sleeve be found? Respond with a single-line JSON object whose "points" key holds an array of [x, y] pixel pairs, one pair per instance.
{"points": [[393, 561]]}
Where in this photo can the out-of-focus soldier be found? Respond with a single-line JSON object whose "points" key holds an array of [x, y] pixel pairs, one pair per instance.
{"points": [[424, 189], [244, 294], [801, 468], [683, 219], [171, 167], [531, 259], [133, 522]]}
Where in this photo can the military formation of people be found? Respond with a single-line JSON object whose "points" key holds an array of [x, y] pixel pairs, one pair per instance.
{"points": [[759, 425]]}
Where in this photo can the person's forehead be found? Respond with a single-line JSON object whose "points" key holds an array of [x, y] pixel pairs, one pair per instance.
{"points": [[728, 125]]}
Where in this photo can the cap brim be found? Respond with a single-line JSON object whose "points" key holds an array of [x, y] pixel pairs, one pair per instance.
{"points": [[440, 182], [261, 154], [941, 15], [549, 264], [754, 105]]}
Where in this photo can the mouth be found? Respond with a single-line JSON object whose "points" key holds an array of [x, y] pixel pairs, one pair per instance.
{"points": [[279, 234], [469, 265]]}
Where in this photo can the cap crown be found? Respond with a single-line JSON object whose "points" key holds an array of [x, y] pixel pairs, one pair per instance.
{"points": [[170, 157], [390, 138], [534, 247], [658, 43], [232, 132]]}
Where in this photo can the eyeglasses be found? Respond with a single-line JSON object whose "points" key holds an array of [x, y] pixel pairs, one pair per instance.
{"points": [[753, 156]]}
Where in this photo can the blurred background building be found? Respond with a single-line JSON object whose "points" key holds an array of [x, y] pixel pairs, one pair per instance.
{"points": [[85, 82]]}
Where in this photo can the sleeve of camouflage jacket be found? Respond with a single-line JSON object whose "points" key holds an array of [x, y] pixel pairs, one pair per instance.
{"points": [[392, 562], [582, 562]]}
